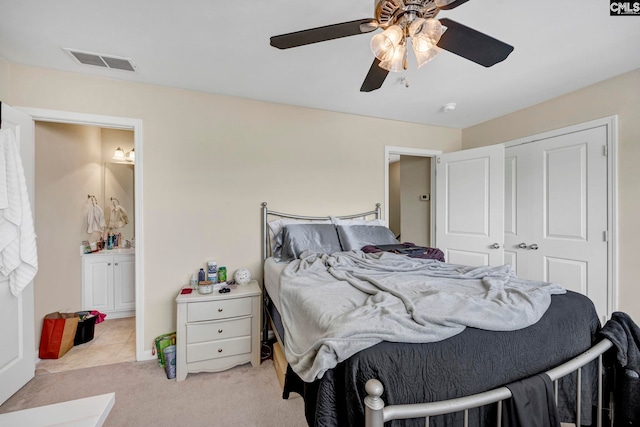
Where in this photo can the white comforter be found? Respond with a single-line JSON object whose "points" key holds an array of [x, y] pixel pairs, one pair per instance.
{"points": [[334, 306]]}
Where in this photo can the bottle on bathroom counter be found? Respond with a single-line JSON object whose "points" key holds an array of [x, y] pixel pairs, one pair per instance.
{"points": [[194, 282], [201, 275]]}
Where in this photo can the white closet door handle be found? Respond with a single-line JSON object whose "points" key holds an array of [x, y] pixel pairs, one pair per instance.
{"points": [[523, 246], [495, 246], [533, 247]]}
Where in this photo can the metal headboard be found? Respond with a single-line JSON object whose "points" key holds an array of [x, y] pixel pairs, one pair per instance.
{"points": [[267, 213]]}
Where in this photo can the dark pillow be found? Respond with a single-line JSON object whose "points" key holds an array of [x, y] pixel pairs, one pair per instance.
{"points": [[357, 236], [297, 238]]}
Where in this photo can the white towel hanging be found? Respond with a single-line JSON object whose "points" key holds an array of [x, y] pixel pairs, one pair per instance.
{"points": [[118, 217], [18, 251], [95, 217]]}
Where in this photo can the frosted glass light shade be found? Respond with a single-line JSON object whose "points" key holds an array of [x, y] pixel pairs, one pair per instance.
{"points": [[383, 44], [425, 34], [131, 156], [397, 61], [119, 154]]}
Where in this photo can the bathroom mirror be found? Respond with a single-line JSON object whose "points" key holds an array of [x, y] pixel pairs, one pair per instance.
{"points": [[119, 190]]}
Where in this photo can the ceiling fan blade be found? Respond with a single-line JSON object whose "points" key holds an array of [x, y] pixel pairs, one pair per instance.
{"points": [[375, 77], [473, 45], [449, 4], [320, 34]]}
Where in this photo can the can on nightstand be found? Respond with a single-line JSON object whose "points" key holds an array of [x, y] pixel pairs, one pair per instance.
{"points": [[222, 274]]}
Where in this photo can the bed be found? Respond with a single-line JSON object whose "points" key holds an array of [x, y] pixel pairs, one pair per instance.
{"points": [[378, 380]]}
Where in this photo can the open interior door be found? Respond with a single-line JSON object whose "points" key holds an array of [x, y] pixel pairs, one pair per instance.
{"points": [[470, 205], [17, 352]]}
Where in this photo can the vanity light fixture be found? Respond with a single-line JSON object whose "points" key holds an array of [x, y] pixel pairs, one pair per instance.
{"points": [[131, 156], [119, 154]]}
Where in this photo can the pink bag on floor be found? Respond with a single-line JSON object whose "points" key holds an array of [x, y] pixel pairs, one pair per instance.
{"points": [[99, 316]]}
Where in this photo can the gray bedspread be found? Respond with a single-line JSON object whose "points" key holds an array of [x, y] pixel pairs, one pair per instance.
{"points": [[335, 306]]}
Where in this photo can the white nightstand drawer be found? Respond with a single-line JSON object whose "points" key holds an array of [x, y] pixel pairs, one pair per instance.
{"points": [[217, 349], [220, 309], [218, 330]]}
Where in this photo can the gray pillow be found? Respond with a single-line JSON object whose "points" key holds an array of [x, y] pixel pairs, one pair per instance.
{"points": [[297, 238], [357, 236]]}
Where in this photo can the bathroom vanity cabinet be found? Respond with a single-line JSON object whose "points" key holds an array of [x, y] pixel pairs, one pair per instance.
{"points": [[108, 282]]}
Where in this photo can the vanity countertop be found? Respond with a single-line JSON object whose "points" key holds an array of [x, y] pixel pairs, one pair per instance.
{"points": [[111, 252]]}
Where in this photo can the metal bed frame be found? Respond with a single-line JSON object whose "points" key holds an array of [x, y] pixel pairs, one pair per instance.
{"points": [[266, 213], [376, 413]]}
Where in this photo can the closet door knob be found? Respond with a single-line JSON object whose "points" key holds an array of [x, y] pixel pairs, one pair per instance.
{"points": [[522, 246], [495, 246], [533, 247]]}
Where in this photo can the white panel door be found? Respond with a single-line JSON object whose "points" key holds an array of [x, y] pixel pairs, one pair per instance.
{"points": [[17, 329], [469, 205], [561, 230]]}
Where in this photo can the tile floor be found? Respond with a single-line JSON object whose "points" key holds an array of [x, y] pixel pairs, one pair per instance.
{"points": [[114, 341]]}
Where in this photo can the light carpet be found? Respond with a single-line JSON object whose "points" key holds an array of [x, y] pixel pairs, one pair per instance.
{"points": [[241, 396]]}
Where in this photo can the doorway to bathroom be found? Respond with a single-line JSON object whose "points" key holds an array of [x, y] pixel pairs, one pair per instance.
{"points": [[71, 174]]}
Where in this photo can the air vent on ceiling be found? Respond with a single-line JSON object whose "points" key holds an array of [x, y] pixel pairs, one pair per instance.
{"points": [[101, 60]]}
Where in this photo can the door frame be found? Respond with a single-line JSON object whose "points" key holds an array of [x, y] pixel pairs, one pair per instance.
{"points": [[611, 124], [123, 123], [416, 152]]}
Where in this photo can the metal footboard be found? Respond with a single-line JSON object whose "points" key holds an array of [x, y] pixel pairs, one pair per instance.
{"points": [[376, 413]]}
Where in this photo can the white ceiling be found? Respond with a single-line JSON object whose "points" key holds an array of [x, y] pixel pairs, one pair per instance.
{"points": [[223, 47]]}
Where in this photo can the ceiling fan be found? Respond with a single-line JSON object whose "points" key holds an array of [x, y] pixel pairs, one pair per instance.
{"points": [[402, 20]]}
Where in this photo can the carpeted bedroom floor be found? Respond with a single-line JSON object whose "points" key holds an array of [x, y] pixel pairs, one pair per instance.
{"points": [[242, 396]]}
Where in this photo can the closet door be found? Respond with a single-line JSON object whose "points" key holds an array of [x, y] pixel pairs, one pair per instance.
{"points": [[560, 230], [470, 205], [517, 207]]}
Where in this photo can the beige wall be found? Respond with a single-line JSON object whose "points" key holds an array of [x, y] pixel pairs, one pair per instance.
{"points": [[394, 198], [68, 168], [210, 160], [4, 80], [415, 179], [618, 96]]}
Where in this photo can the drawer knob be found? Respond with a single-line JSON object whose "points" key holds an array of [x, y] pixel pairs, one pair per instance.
{"points": [[219, 331], [219, 350], [220, 310]]}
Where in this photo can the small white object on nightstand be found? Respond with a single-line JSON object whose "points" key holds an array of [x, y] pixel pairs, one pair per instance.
{"points": [[242, 276]]}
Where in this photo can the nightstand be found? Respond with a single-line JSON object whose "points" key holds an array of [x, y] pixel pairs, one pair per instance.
{"points": [[217, 331]]}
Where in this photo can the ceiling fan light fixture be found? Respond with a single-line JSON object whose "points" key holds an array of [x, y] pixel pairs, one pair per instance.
{"points": [[425, 34], [427, 30], [383, 45], [397, 61], [424, 57]]}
